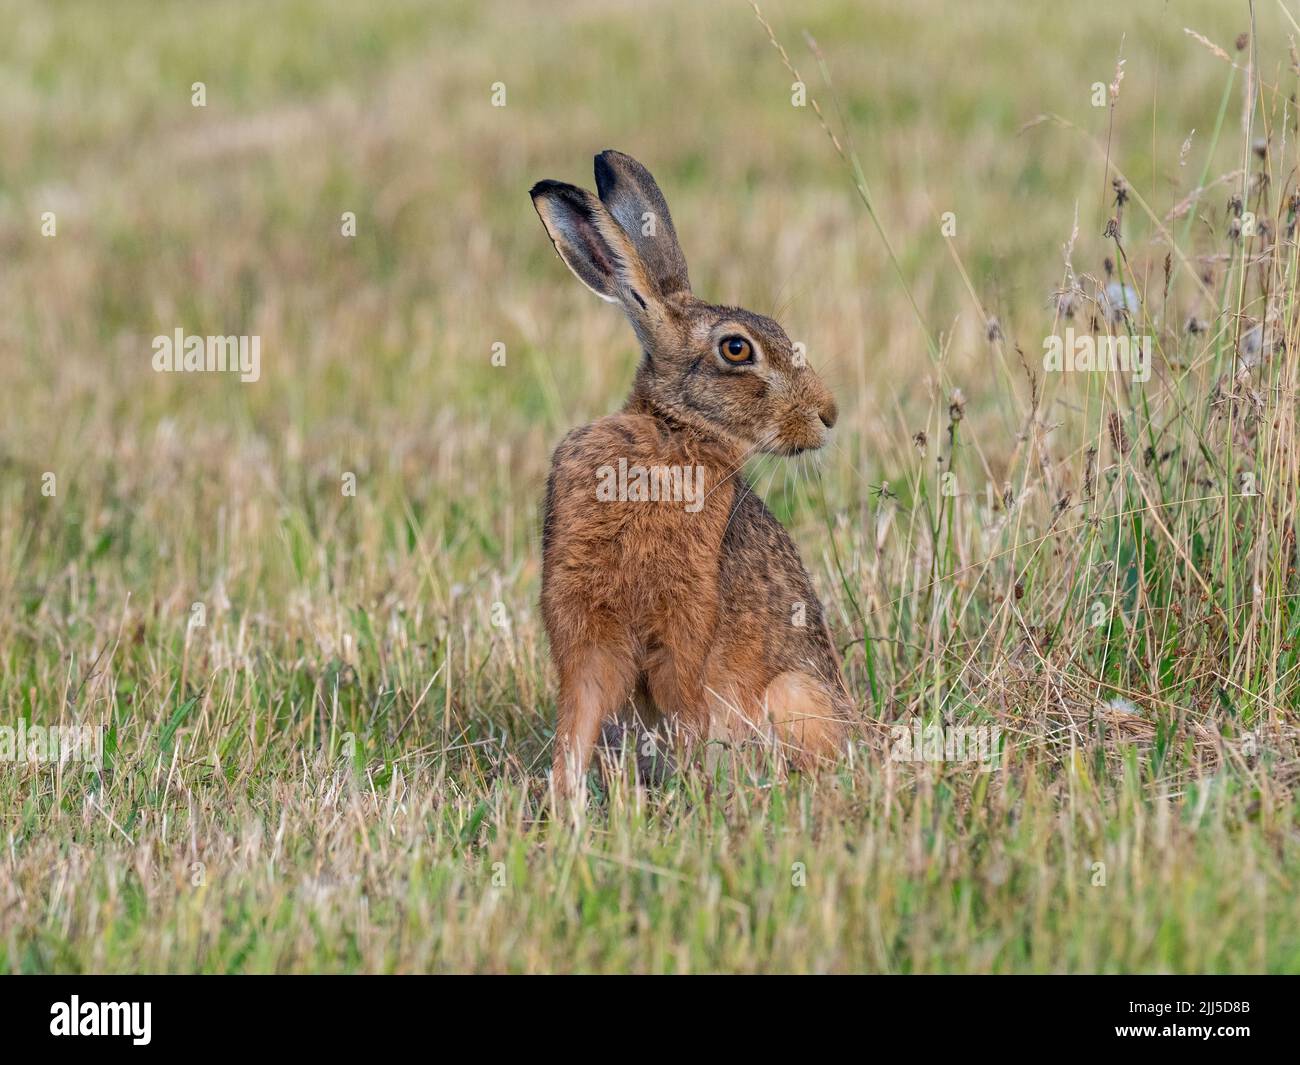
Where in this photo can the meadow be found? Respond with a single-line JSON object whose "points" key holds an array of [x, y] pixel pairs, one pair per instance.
{"points": [[301, 612]]}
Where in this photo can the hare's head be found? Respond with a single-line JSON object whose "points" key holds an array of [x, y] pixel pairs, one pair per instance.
{"points": [[724, 371]]}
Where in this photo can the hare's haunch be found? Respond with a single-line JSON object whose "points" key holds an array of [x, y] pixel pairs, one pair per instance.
{"points": [[670, 593]]}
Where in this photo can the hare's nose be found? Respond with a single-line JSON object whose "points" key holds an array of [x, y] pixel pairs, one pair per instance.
{"points": [[829, 414]]}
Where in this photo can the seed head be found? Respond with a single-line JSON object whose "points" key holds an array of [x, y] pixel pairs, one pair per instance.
{"points": [[1065, 303], [1118, 435], [1120, 301]]}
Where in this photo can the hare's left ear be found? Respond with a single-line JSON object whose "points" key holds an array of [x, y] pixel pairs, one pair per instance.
{"points": [[573, 219], [632, 197], [600, 253]]}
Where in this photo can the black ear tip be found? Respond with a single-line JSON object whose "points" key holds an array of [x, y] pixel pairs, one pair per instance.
{"points": [[605, 173], [549, 195], [560, 190]]}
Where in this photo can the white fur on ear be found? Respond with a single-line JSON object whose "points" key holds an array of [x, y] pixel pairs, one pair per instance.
{"points": [[570, 217]]}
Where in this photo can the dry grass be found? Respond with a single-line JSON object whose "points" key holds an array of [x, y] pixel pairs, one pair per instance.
{"points": [[340, 769]]}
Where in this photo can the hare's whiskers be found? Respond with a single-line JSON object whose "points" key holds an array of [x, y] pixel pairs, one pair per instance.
{"points": [[762, 442]]}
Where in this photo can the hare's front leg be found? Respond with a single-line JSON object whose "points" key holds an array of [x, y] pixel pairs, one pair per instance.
{"points": [[594, 683], [676, 681]]}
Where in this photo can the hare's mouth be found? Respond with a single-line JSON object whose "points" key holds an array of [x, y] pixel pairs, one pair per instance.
{"points": [[792, 448], [806, 438]]}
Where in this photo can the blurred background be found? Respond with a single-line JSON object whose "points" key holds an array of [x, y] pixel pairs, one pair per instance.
{"points": [[376, 349]]}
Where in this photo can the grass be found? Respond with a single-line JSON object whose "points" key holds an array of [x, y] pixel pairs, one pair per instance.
{"points": [[342, 768]]}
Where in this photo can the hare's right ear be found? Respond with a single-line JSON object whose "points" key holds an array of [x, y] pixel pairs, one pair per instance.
{"points": [[589, 240], [632, 196]]}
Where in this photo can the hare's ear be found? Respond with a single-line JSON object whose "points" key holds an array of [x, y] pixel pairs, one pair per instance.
{"points": [[594, 247], [633, 198], [571, 217]]}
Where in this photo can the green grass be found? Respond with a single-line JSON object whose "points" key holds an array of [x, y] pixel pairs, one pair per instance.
{"points": [[343, 769]]}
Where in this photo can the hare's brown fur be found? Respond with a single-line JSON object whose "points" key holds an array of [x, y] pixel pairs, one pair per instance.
{"points": [[702, 617]]}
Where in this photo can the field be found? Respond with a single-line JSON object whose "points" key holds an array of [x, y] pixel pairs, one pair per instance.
{"points": [[301, 613]]}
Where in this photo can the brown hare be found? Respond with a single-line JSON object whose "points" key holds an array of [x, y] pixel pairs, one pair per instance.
{"points": [[669, 591]]}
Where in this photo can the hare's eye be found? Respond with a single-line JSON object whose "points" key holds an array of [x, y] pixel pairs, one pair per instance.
{"points": [[736, 349]]}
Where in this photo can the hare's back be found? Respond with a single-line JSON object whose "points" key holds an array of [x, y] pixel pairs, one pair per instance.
{"points": [[768, 602], [633, 523]]}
